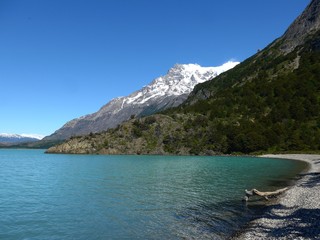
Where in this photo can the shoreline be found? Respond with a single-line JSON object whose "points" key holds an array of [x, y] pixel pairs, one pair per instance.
{"points": [[296, 214]]}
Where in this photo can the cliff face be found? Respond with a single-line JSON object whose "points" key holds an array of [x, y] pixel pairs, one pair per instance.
{"points": [[306, 24]]}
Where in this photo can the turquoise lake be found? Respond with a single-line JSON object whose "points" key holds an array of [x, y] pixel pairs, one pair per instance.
{"points": [[46, 196]]}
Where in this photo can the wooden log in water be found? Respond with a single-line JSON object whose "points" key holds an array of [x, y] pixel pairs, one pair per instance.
{"points": [[265, 195]]}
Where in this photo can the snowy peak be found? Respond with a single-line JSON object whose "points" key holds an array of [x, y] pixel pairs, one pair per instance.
{"points": [[19, 138], [179, 80]]}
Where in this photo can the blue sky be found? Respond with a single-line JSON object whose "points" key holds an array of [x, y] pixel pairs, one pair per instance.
{"points": [[61, 59]]}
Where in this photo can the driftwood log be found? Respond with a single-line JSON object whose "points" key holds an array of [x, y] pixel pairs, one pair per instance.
{"points": [[265, 195]]}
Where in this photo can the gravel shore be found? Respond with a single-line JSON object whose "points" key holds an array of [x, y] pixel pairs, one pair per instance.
{"points": [[297, 214]]}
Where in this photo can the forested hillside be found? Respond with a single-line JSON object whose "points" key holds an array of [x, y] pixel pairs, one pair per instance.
{"points": [[275, 108]]}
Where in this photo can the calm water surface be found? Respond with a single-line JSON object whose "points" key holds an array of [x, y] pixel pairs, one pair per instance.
{"points": [[129, 197]]}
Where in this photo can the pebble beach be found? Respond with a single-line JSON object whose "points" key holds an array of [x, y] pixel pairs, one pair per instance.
{"points": [[296, 215]]}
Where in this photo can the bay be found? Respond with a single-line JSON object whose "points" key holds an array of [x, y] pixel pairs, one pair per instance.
{"points": [[130, 197]]}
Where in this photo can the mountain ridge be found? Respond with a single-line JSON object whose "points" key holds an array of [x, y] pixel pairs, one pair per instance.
{"points": [[163, 92]]}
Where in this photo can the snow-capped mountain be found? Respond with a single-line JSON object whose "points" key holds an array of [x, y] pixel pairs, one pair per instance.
{"points": [[163, 92], [8, 138], [180, 80]]}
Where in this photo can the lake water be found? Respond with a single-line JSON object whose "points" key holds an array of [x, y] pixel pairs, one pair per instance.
{"points": [[130, 197]]}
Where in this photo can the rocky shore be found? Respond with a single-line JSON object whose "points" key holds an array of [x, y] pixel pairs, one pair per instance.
{"points": [[297, 214]]}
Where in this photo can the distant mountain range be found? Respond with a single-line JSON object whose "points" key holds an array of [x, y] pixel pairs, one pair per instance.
{"points": [[268, 103], [162, 93], [6, 138]]}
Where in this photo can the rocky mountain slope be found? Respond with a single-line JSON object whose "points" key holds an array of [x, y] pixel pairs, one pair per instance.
{"points": [[163, 92], [306, 24], [269, 103]]}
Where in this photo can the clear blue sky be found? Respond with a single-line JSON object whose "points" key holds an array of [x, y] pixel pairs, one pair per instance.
{"points": [[61, 59]]}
